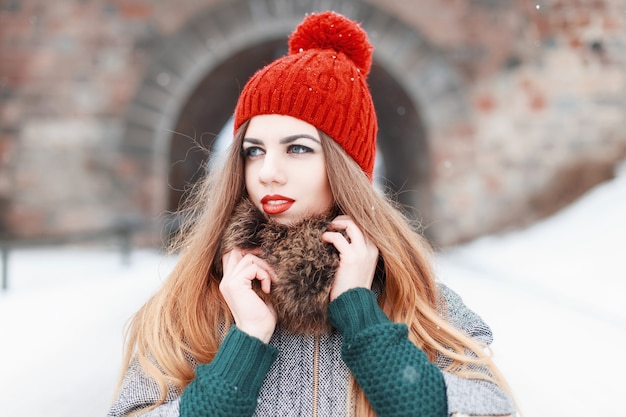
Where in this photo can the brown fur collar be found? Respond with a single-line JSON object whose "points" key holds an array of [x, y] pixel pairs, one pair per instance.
{"points": [[305, 266]]}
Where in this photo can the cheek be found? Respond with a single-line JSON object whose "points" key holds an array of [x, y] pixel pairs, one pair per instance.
{"points": [[250, 171], [323, 190]]}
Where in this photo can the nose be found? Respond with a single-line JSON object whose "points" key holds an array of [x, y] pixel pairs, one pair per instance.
{"points": [[272, 170]]}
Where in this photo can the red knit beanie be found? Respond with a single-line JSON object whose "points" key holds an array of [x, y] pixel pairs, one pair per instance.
{"points": [[323, 82]]}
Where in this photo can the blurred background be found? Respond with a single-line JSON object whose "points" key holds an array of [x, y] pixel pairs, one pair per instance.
{"points": [[494, 115]]}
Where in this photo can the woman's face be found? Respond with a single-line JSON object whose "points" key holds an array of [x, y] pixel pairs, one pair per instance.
{"points": [[285, 168]]}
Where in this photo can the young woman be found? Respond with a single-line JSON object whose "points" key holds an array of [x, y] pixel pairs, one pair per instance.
{"points": [[300, 289]]}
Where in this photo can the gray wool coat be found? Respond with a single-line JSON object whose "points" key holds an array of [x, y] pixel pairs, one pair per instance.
{"points": [[286, 390]]}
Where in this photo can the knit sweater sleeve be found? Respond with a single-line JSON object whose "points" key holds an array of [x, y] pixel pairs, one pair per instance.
{"points": [[396, 376], [230, 384]]}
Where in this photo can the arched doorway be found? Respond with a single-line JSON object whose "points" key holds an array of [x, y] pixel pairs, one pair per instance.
{"points": [[400, 140], [205, 114], [191, 89]]}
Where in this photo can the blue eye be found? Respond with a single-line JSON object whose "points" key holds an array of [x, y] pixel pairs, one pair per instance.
{"points": [[251, 152], [298, 149]]}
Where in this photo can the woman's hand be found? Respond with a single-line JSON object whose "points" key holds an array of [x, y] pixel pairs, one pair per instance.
{"points": [[252, 315], [358, 256]]}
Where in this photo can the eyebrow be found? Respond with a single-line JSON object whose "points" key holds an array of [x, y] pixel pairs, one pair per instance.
{"points": [[285, 140]]}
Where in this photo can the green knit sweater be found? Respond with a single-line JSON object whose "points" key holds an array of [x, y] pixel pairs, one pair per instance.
{"points": [[395, 375]]}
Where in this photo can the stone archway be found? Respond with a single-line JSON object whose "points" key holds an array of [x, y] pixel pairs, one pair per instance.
{"points": [[205, 113], [191, 88], [401, 143]]}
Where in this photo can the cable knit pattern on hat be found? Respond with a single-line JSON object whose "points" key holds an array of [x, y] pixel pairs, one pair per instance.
{"points": [[323, 82]]}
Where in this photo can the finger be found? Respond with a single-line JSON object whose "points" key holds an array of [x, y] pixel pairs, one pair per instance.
{"points": [[254, 251], [230, 259], [343, 217], [264, 279], [340, 222], [337, 239], [262, 265], [352, 232], [236, 265]]}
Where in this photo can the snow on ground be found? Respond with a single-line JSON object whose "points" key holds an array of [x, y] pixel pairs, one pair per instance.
{"points": [[553, 295], [61, 327]]}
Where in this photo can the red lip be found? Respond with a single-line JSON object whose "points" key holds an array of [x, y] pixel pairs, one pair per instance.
{"points": [[276, 204]]}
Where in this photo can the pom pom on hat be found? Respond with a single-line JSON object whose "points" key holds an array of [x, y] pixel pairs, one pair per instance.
{"points": [[323, 82], [330, 30]]}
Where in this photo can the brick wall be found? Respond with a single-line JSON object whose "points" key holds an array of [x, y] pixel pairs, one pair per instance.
{"points": [[542, 83], [546, 84], [68, 70]]}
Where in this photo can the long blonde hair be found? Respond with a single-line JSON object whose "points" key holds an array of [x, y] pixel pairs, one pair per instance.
{"points": [[172, 326]]}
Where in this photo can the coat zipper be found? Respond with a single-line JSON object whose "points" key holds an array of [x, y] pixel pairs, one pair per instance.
{"points": [[316, 364]]}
